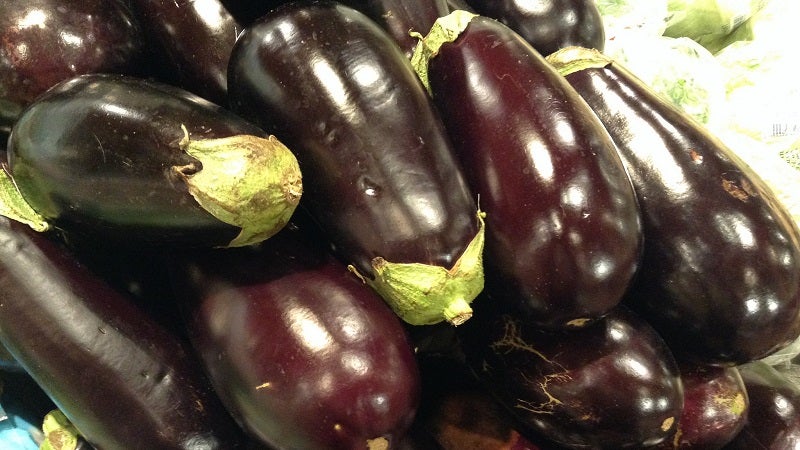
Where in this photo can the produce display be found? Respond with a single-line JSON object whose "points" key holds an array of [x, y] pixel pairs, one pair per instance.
{"points": [[396, 224]]}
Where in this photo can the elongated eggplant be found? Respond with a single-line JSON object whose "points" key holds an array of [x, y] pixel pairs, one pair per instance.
{"points": [[304, 354], [720, 275], [612, 384], [122, 380], [403, 19], [122, 158], [773, 421], [381, 177], [195, 40], [563, 235], [549, 25], [48, 41]]}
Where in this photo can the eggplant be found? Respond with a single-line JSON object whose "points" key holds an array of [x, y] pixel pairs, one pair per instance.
{"points": [[380, 175], [613, 384], [563, 235], [720, 273], [48, 41], [195, 40], [549, 25], [124, 159], [404, 20], [773, 421], [121, 379], [303, 354], [715, 408]]}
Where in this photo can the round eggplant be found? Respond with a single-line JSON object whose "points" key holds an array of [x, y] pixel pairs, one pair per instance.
{"points": [[563, 235], [43, 42], [126, 159], [549, 25], [720, 272], [613, 384], [303, 354], [773, 420], [380, 175]]}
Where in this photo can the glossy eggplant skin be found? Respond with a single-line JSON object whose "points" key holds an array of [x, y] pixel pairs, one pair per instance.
{"points": [[381, 176], [549, 25], [720, 273], [613, 384], [774, 418], [94, 155], [48, 41], [195, 39], [305, 355], [125, 382], [402, 17], [563, 234]]}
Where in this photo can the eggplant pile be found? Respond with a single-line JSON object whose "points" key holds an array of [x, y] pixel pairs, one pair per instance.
{"points": [[377, 224]]}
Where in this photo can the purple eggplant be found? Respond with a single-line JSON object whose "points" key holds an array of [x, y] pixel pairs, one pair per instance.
{"points": [[194, 40], [380, 175], [43, 42], [715, 408], [720, 273], [405, 20], [123, 381], [773, 420], [304, 354], [549, 25], [125, 159], [563, 236], [612, 384]]}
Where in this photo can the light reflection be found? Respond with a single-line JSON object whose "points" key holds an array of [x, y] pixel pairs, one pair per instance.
{"points": [[355, 364], [330, 81], [635, 368], [210, 12], [534, 8], [574, 196], [35, 18], [735, 229], [542, 161], [308, 329], [71, 39]]}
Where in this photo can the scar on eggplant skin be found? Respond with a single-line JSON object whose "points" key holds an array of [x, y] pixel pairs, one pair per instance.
{"points": [[511, 341], [740, 188]]}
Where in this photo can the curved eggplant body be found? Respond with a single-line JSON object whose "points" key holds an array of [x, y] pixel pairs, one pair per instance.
{"points": [[47, 41], [380, 175], [613, 384], [304, 354], [720, 275], [549, 25], [107, 156], [195, 39], [402, 17], [124, 382], [563, 231]]}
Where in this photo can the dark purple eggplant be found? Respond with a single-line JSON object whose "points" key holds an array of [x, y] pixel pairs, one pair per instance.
{"points": [[122, 380], [194, 39], [125, 159], [43, 42], [773, 420], [405, 20], [304, 354], [720, 274], [549, 25], [563, 233], [459, 4], [380, 175], [715, 407], [613, 384]]}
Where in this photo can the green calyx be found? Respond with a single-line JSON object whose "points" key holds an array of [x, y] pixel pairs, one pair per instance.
{"points": [[574, 59], [423, 294], [59, 432], [445, 29], [14, 206], [246, 181]]}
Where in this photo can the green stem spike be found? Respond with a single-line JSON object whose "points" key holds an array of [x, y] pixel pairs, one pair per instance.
{"points": [[445, 29]]}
